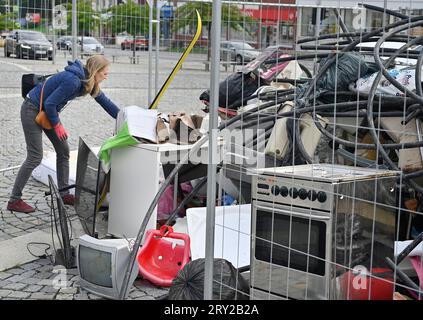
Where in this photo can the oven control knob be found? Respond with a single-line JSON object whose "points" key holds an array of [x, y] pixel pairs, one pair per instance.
{"points": [[284, 191], [312, 195], [302, 193], [321, 196], [274, 190], [293, 192]]}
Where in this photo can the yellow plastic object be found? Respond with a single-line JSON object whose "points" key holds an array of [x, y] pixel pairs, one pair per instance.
{"points": [[179, 64]]}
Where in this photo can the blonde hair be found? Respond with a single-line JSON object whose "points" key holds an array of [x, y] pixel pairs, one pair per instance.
{"points": [[94, 64]]}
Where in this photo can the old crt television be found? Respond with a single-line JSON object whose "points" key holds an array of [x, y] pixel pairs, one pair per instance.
{"points": [[102, 265], [90, 187]]}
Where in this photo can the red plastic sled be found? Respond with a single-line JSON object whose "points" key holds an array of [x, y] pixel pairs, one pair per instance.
{"points": [[159, 259]]}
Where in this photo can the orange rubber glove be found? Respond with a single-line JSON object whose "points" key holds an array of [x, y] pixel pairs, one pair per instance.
{"points": [[60, 131]]}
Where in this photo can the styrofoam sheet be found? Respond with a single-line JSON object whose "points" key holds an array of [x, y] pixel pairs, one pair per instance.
{"points": [[48, 167], [232, 233]]}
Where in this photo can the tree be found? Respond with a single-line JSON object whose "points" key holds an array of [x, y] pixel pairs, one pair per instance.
{"points": [[88, 18], [130, 17], [231, 16], [8, 21]]}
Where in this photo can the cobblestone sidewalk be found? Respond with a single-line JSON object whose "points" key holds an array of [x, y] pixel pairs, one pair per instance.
{"points": [[40, 279]]}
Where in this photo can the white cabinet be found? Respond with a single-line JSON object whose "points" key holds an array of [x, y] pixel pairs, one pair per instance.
{"points": [[134, 182]]}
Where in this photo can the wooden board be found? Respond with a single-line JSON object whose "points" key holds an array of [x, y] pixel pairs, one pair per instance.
{"points": [[409, 159]]}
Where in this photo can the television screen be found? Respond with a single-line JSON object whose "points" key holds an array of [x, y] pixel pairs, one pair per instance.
{"points": [[102, 265], [90, 185], [96, 266]]}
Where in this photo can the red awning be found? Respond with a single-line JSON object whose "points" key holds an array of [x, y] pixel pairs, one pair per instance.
{"points": [[271, 13]]}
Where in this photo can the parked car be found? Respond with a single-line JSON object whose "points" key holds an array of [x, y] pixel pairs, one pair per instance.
{"points": [[64, 43], [89, 47], [122, 36], [3, 37], [238, 51], [141, 43], [28, 44]]}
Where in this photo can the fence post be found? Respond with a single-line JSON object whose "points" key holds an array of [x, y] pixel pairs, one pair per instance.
{"points": [[212, 150], [150, 47], [74, 30]]}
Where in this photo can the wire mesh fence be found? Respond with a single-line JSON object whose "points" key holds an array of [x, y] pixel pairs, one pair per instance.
{"points": [[319, 162]]}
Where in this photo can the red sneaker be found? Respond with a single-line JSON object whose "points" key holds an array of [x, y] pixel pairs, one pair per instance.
{"points": [[19, 206], [69, 199]]}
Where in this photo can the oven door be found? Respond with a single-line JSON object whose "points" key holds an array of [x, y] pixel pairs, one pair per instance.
{"points": [[290, 251]]}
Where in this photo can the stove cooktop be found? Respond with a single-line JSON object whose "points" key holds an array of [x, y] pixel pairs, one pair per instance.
{"points": [[326, 172]]}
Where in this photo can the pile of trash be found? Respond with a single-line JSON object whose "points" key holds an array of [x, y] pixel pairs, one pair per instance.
{"points": [[363, 103]]}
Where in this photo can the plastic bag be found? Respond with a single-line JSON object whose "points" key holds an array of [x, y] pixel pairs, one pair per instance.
{"points": [[234, 89], [406, 77], [349, 67], [189, 282]]}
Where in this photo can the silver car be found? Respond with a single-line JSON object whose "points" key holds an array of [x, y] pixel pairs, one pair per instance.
{"points": [[90, 46], [238, 51]]}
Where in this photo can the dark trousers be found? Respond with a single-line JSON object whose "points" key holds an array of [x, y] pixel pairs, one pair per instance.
{"points": [[34, 148]]}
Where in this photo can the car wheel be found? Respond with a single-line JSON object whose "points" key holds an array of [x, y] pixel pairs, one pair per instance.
{"points": [[6, 52], [238, 59], [50, 58], [122, 47]]}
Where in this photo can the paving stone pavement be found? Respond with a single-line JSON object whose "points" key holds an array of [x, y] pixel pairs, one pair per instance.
{"points": [[127, 85]]}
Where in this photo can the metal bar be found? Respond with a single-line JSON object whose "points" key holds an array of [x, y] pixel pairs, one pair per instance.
{"points": [[9, 169], [175, 191], [212, 152], [54, 31], [150, 50], [156, 77], [74, 29], [285, 5], [317, 32], [404, 253]]}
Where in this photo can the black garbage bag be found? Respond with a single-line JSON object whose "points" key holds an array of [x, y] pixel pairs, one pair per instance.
{"points": [[348, 69], [189, 282], [235, 89]]}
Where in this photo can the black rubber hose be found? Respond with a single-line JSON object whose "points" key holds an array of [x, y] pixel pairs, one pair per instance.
{"points": [[297, 57], [252, 142], [360, 114], [330, 59], [380, 9], [342, 24], [332, 56], [418, 83], [386, 51], [351, 34], [381, 64], [381, 149], [306, 70], [330, 36]]}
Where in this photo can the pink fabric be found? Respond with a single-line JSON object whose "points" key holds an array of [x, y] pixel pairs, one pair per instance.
{"points": [[416, 261], [275, 69], [165, 205]]}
